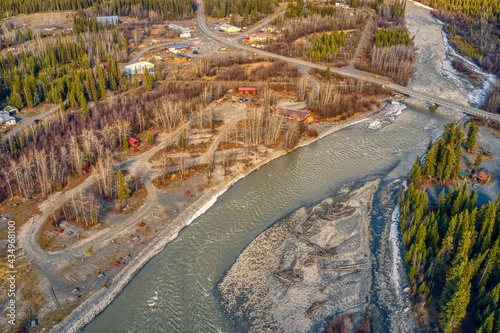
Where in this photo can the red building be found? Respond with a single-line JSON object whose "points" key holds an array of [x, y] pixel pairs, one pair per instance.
{"points": [[247, 90], [133, 142], [299, 115]]}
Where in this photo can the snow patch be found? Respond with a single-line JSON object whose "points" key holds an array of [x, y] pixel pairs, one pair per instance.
{"points": [[396, 109], [395, 244], [389, 117], [375, 125]]}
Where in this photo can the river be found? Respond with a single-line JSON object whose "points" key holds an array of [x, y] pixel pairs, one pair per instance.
{"points": [[176, 291]]}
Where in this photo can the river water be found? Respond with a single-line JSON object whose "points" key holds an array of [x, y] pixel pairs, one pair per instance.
{"points": [[176, 291]]}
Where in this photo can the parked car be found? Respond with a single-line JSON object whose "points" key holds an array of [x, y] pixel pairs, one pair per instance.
{"points": [[36, 121], [128, 256], [116, 264], [61, 231], [195, 52], [100, 276], [70, 233], [142, 224], [136, 238]]}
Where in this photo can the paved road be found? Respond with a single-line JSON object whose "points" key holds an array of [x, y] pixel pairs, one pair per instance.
{"points": [[351, 72]]}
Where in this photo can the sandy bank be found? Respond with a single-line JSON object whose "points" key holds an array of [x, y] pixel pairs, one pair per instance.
{"points": [[310, 265]]}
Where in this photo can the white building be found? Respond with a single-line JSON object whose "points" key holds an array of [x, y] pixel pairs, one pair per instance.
{"points": [[107, 19], [139, 67], [185, 35], [6, 119], [178, 27]]}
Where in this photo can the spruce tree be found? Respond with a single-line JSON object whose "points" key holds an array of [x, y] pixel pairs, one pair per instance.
{"points": [[471, 140], [94, 95], [158, 72], [328, 73], [150, 137], [416, 173], [478, 160], [28, 94], [125, 143], [101, 76], [148, 80], [123, 190]]}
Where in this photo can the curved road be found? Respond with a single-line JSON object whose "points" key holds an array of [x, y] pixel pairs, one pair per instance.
{"points": [[351, 72]]}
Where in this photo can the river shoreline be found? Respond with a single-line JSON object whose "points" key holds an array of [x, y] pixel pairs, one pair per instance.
{"points": [[96, 303]]}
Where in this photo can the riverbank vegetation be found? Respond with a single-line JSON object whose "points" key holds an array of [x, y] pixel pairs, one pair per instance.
{"points": [[475, 34], [451, 246], [482, 9], [389, 51], [341, 97]]}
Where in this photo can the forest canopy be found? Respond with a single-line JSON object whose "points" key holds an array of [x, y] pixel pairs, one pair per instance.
{"points": [[167, 9], [489, 9]]}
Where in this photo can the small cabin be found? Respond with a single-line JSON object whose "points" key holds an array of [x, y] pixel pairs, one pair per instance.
{"points": [[133, 142], [12, 110], [481, 176], [182, 58], [299, 115], [87, 167], [247, 90]]}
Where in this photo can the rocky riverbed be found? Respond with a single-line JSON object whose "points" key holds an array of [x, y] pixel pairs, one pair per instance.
{"points": [[311, 265]]}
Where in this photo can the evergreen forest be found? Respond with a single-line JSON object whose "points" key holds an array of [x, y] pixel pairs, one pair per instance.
{"points": [[248, 10], [452, 247], [166, 9]]}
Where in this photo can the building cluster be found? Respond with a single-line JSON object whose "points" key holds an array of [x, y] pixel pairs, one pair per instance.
{"points": [[260, 37], [344, 6]]}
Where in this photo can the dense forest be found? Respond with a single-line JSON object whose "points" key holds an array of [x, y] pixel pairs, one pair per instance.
{"points": [[247, 10], [452, 247], [164, 9], [57, 69], [391, 37], [489, 9]]}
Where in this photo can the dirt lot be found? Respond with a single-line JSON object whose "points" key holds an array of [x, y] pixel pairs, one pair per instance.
{"points": [[39, 21]]}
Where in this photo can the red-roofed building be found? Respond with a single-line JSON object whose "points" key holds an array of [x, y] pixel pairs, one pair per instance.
{"points": [[481, 176], [299, 115], [133, 142], [247, 90]]}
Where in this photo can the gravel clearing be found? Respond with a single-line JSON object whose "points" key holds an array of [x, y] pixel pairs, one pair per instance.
{"points": [[313, 264]]}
